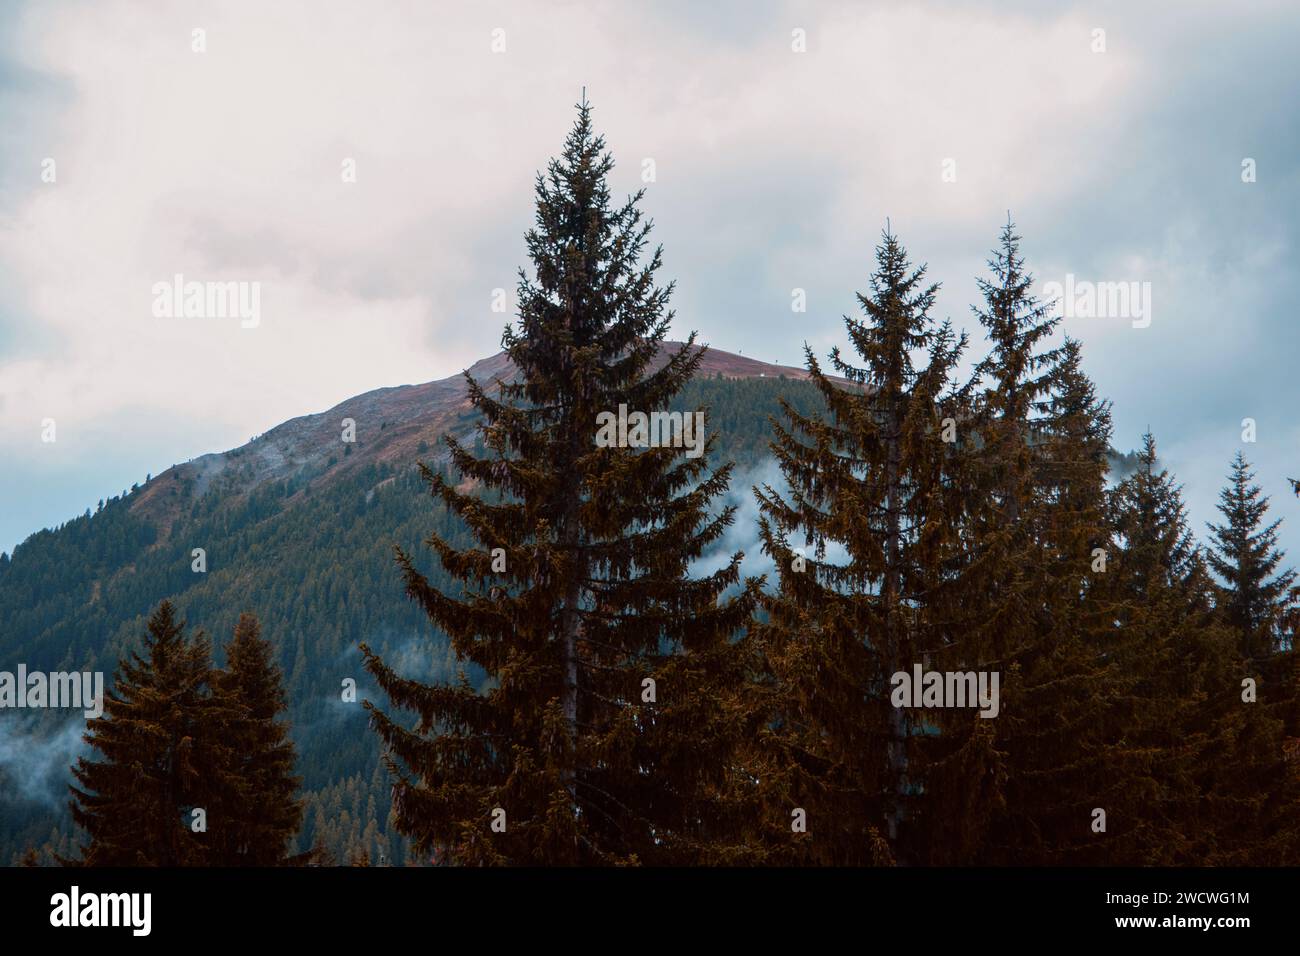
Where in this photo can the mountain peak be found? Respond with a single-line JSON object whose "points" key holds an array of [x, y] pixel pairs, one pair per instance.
{"points": [[394, 423]]}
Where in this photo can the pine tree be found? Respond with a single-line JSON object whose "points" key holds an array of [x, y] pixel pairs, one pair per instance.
{"points": [[1019, 373], [606, 732], [1254, 596], [1159, 548], [1032, 466], [161, 738], [258, 825], [1074, 463], [1251, 779], [1169, 674], [868, 496], [1059, 684]]}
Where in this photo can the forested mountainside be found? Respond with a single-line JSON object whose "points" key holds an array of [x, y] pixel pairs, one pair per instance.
{"points": [[297, 527]]}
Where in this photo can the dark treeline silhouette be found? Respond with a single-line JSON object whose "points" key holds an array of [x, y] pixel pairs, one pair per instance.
{"points": [[601, 685], [1145, 710]]}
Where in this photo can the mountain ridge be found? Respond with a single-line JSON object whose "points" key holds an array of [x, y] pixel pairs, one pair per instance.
{"points": [[392, 424]]}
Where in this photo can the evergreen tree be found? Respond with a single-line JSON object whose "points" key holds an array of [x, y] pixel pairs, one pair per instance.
{"points": [[1019, 373], [1055, 681], [1170, 671], [1074, 462], [1250, 780], [1032, 460], [1254, 596], [1159, 548], [256, 827], [161, 740], [607, 728], [871, 497]]}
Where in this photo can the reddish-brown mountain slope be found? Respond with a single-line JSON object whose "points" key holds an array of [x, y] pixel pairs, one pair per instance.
{"points": [[391, 426]]}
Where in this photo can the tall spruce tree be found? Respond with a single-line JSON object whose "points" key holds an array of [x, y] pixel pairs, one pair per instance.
{"points": [[1251, 780], [256, 827], [1074, 461], [162, 740], [1019, 374], [1170, 674], [1255, 597], [615, 694], [871, 499], [1032, 455], [1159, 547], [1057, 683]]}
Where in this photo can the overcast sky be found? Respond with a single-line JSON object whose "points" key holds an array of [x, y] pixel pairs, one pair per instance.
{"points": [[774, 170]]}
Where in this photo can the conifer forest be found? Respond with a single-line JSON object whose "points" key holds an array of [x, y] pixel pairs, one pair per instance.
{"points": [[837, 446]]}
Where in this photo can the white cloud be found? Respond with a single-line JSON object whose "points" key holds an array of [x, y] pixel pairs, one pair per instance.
{"points": [[775, 170]]}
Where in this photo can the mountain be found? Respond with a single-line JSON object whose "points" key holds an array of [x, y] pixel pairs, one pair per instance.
{"points": [[298, 527], [393, 425]]}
